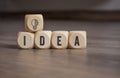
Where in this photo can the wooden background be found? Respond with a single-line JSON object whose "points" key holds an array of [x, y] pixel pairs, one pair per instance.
{"points": [[57, 5], [101, 58]]}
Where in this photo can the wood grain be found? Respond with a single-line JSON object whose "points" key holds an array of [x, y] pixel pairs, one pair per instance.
{"points": [[101, 59]]}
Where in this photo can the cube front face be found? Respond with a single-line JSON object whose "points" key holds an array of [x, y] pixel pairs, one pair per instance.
{"points": [[43, 39], [25, 40], [33, 22], [60, 39], [77, 39]]}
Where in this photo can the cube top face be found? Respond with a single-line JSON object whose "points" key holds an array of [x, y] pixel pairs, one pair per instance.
{"points": [[43, 39], [77, 39], [60, 39], [42, 32], [84, 32], [25, 40], [33, 22], [65, 32]]}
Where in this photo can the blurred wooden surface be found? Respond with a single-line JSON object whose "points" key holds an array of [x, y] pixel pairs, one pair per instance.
{"points": [[101, 59], [59, 5], [89, 15]]}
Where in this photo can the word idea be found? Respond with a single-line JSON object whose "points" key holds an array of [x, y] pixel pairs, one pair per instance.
{"points": [[36, 37]]}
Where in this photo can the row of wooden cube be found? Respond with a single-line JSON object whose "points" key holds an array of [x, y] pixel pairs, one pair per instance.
{"points": [[49, 39]]}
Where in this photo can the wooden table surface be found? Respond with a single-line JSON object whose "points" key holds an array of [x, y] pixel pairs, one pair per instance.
{"points": [[101, 58]]}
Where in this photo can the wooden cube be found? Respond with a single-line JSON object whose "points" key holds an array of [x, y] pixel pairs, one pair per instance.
{"points": [[33, 22], [77, 39], [60, 39], [43, 39], [25, 40]]}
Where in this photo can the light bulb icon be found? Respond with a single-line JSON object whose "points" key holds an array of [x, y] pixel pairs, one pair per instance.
{"points": [[34, 23]]}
